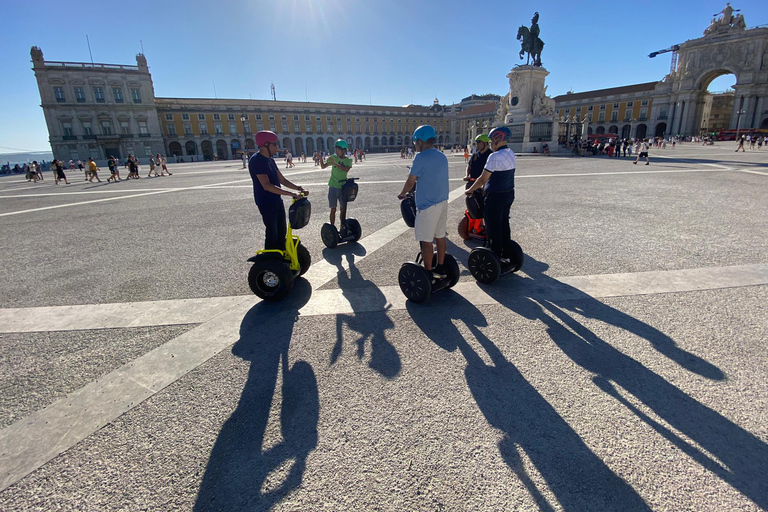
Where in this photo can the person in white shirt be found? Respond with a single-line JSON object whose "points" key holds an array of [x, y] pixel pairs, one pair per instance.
{"points": [[643, 152]]}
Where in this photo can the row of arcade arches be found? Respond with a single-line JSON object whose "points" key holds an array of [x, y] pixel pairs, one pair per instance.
{"points": [[224, 150]]}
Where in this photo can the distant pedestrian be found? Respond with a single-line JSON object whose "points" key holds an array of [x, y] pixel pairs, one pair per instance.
{"points": [[38, 170], [162, 162], [113, 169], [133, 168], [643, 152], [741, 145], [81, 166], [152, 167], [93, 170], [59, 171]]}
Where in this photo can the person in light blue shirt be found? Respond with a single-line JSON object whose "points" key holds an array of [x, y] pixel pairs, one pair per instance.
{"points": [[430, 169]]}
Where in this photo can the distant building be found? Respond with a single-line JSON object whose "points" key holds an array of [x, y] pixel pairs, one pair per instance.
{"points": [[624, 111], [98, 110]]}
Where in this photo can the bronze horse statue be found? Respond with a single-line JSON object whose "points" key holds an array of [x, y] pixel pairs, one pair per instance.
{"points": [[530, 45]]}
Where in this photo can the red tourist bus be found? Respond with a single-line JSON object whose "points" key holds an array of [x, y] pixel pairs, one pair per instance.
{"points": [[723, 134]]}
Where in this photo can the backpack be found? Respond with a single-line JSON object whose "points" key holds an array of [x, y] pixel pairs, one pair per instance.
{"points": [[299, 213]]}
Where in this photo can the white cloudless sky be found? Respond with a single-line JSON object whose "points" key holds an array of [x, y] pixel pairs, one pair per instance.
{"points": [[391, 52]]}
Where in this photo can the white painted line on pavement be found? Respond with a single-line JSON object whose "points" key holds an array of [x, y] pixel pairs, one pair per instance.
{"points": [[34, 440], [359, 300], [64, 194], [154, 192], [753, 172], [116, 315]]}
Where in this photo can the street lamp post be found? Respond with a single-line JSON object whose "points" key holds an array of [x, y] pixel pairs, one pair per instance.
{"points": [[243, 119], [738, 122]]}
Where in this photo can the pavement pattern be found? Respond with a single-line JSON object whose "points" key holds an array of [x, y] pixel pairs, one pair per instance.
{"points": [[623, 368]]}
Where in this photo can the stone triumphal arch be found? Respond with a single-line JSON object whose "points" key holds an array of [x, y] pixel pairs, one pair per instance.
{"points": [[727, 47]]}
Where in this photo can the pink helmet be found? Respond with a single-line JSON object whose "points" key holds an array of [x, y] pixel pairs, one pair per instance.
{"points": [[263, 137]]}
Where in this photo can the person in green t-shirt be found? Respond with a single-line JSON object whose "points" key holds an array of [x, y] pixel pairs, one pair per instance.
{"points": [[341, 164]]}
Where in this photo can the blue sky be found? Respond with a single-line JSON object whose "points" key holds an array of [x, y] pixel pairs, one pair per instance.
{"points": [[390, 52]]}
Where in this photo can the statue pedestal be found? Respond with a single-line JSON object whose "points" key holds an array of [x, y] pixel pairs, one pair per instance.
{"points": [[529, 112], [525, 83]]}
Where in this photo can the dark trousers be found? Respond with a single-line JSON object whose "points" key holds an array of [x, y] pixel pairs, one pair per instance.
{"points": [[496, 217], [274, 222]]}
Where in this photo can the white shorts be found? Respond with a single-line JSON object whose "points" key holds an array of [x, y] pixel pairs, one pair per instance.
{"points": [[430, 223]]}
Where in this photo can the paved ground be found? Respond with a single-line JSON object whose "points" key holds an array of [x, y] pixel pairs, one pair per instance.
{"points": [[622, 369]]}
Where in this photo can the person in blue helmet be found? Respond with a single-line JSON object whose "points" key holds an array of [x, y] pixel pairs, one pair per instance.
{"points": [[498, 182], [430, 169]]}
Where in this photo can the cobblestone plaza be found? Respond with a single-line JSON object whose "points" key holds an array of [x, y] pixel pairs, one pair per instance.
{"points": [[622, 369]]}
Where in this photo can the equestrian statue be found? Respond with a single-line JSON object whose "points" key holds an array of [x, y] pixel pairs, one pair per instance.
{"points": [[531, 44]]}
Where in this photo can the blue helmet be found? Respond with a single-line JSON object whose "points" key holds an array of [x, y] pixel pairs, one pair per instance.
{"points": [[500, 133], [424, 132]]}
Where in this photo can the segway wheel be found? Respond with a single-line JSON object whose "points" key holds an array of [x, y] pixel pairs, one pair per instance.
{"points": [[516, 255], [354, 228], [415, 282], [484, 265], [464, 228], [270, 279], [305, 259], [330, 235], [452, 269]]}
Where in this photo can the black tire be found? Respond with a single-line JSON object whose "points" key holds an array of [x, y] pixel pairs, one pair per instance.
{"points": [[305, 259], [516, 255], [484, 265], [415, 282], [354, 229], [270, 278], [330, 235], [464, 228], [452, 269]]}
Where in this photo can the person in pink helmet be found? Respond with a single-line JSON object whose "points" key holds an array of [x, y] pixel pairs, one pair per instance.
{"points": [[267, 189]]}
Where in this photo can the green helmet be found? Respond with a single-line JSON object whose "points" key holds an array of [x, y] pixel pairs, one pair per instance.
{"points": [[341, 144], [483, 138]]}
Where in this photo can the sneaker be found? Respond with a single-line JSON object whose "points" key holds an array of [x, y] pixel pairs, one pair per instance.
{"points": [[505, 261], [438, 272]]}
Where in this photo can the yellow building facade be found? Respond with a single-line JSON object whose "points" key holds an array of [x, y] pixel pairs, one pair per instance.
{"points": [[225, 128]]}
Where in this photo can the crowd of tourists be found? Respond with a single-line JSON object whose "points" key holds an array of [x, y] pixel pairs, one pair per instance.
{"points": [[34, 171]]}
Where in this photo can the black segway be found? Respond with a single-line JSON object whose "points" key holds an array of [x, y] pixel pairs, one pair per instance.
{"points": [[273, 271], [471, 226], [487, 267], [416, 282], [350, 228]]}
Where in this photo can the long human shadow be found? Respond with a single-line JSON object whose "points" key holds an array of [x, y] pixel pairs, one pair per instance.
{"points": [[369, 318], [577, 477], [236, 475], [734, 454]]}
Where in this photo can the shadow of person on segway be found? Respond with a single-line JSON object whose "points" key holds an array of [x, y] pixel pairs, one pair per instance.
{"points": [[528, 422], [237, 476], [371, 322], [726, 449]]}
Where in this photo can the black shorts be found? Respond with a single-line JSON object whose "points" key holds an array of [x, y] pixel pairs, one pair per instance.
{"points": [[644, 154]]}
